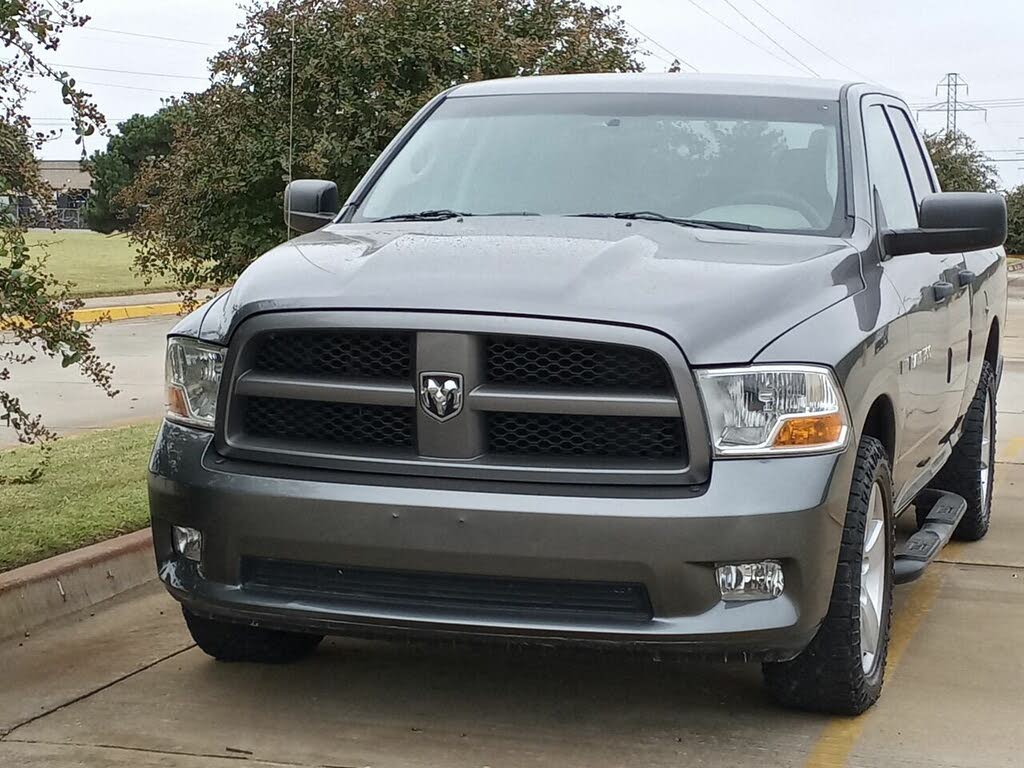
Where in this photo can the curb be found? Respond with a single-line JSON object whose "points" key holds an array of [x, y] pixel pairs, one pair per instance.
{"points": [[39, 592], [92, 314], [129, 312]]}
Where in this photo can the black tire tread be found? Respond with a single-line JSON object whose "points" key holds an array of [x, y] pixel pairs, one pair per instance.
{"points": [[960, 472], [227, 641], [828, 675]]}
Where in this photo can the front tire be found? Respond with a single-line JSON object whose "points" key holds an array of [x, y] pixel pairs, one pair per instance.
{"points": [[841, 671], [226, 641], [970, 470]]}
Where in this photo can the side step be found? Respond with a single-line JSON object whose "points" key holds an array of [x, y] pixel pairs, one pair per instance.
{"points": [[914, 555]]}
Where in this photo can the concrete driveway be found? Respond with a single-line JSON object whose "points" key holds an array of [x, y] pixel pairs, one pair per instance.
{"points": [[70, 403], [123, 686]]}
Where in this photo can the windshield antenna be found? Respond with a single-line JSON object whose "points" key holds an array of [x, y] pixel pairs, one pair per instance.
{"points": [[291, 130]]}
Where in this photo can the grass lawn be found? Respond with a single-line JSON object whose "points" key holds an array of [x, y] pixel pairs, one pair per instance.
{"points": [[93, 489], [98, 265]]}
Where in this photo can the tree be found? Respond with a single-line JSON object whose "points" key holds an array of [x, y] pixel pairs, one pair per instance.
{"points": [[34, 307], [361, 69], [1015, 220], [959, 164], [139, 139]]}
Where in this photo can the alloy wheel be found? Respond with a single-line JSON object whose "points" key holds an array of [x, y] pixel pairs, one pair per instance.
{"points": [[872, 580]]}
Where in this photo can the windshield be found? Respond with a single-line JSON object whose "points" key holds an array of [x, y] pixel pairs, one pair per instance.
{"points": [[761, 162]]}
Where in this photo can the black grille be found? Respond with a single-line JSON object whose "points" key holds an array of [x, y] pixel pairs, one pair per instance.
{"points": [[338, 423], [566, 363], [555, 434], [369, 588], [348, 354], [303, 389]]}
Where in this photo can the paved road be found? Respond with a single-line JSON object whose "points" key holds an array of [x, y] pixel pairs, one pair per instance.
{"points": [[124, 687], [71, 403]]}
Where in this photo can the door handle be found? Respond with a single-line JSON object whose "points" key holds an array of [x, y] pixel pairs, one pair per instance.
{"points": [[942, 291], [965, 277]]}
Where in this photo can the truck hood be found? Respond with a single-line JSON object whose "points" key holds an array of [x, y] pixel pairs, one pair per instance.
{"points": [[721, 295]]}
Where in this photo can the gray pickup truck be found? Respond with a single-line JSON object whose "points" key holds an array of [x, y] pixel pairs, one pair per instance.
{"points": [[649, 362]]}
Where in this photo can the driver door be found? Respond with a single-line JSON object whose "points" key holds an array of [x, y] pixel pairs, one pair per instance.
{"points": [[931, 371]]}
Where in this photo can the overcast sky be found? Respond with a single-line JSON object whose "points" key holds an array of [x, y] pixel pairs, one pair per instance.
{"points": [[909, 45]]}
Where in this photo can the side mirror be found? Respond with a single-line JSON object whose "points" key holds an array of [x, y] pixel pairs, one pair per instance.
{"points": [[310, 204], [952, 222]]}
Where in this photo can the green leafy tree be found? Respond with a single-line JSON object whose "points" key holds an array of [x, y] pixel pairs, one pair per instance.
{"points": [[361, 69], [1015, 220], [140, 139], [34, 307], [959, 164]]}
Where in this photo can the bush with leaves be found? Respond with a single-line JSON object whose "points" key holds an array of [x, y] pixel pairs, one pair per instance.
{"points": [[34, 307], [139, 139], [959, 164], [1015, 221], [361, 69]]}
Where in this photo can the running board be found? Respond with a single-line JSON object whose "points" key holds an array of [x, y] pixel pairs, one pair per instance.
{"points": [[914, 555]]}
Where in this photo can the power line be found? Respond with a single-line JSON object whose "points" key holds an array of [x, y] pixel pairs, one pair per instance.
{"points": [[122, 72], [735, 31], [126, 87], [820, 50], [669, 51], [128, 71], [71, 120], [1000, 105], [776, 42], [993, 103], [1000, 101], [149, 37], [660, 58]]}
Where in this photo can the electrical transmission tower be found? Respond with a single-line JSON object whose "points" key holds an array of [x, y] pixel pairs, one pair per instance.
{"points": [[952, 82]]}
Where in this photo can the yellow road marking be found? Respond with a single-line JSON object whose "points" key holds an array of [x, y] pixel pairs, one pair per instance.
{"points": [[837, 740], [130, 312], [953, 552], [1011, 451]]}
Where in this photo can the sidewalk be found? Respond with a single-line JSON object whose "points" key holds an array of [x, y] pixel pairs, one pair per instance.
{"points": [[128, 307], [165, 297]]}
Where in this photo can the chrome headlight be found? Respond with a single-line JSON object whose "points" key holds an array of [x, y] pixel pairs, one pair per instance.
{"points": [[774, 410], [192, 373]]}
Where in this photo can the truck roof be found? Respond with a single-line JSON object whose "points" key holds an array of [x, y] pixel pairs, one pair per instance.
{"points": [[698, 84]]}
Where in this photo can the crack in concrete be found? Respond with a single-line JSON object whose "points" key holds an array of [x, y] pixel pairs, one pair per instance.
{"points": [[1007, 566], [6, 733], [167, 752]]}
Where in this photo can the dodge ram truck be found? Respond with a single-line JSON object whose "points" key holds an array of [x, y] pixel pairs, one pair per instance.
{"points": [[645, 362]]}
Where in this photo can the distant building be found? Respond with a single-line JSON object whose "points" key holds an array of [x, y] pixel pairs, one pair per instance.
{"points": [[70, 182], [67, 176]]}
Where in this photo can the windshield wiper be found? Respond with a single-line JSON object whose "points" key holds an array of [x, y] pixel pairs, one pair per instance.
{"points": [[437, 214], [655, 216], [440, 214]]}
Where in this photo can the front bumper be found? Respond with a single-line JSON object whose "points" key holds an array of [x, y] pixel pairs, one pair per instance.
{"points": [[668, 540]]}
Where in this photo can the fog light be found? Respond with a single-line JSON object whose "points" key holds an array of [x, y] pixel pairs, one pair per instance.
{"points": [[187, 542], [750, 581]]}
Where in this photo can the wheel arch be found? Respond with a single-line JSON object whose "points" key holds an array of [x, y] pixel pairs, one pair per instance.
{"points": [[880, 423], [992, 345]]}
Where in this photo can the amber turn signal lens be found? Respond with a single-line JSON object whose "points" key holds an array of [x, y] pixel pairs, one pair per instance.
{"points": [[810, 430], [176, 401]]}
